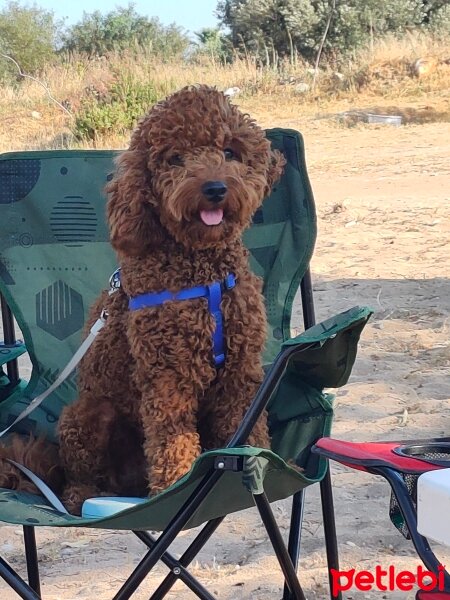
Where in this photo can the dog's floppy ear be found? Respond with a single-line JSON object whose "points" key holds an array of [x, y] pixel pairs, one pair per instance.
{"points": [[133, 223], [275, 170]]}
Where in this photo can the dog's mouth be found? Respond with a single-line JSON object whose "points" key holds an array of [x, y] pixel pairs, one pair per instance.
{"points": [[212, 216]]}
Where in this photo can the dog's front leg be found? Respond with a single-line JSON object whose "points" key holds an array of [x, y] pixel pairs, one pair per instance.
{"points": [[228, 401], [169, 420], [170, 380]]}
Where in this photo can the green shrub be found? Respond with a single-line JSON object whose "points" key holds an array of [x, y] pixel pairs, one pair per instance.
{"points": [[115, 112], [123, 29]]}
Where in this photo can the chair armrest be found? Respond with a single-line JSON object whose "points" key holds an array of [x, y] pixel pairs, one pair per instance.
{"points": [[10, 352], [327, 351]]}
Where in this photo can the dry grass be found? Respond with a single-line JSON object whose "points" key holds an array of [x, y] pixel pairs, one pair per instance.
{"points": [[380, 79]]}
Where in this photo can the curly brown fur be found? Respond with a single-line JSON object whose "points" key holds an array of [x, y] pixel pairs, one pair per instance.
{"points": [[150, 396], [39, 455]]}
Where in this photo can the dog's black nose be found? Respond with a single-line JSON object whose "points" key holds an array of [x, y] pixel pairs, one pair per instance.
{"points": [[214, 190]]}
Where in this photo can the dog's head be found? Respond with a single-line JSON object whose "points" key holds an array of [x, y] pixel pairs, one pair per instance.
{"points": [[196, 170]]}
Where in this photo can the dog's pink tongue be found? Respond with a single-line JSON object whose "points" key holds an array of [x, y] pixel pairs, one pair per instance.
{"points": [[212, 217]]}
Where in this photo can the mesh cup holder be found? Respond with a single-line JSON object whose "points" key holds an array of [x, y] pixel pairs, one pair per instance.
{"points": [[435, 453]]}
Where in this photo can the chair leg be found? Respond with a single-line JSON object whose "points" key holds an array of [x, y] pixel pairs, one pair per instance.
{"points": [[32, 558], [295, 535], [178, 568], [178, 571], [16, 582], [168, 535], [329, 525], [284, 559]]}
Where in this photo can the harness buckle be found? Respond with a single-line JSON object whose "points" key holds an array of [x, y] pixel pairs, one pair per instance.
{"points": [[114, 282], [229, 282], [219, 360]]}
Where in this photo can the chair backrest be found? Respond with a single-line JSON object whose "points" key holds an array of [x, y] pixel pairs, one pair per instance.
{"points": [[55, 256]]}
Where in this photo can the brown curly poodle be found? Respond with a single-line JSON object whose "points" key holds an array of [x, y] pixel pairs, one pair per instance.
{"points": [[151, 395]]}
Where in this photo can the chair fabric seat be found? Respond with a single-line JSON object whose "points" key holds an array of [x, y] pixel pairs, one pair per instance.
{"points": [[280, 481]]}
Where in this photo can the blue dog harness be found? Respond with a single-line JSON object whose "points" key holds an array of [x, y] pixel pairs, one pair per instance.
{"points": [[213, 292]]}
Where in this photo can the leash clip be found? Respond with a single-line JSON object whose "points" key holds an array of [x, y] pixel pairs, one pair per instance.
{"points": [[114, 282]]}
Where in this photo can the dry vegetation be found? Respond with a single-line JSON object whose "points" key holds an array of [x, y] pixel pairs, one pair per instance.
{"points": [[382, 79]]}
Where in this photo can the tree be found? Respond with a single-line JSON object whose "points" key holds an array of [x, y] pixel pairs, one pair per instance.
{"points": [[290, 26], [433, 9], [267, 26], [214, 43], [355, 22], [437, 16], [28, 35], [122, 29]]}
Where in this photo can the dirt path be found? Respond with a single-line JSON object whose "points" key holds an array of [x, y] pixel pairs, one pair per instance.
{"points": [[383, 200]]}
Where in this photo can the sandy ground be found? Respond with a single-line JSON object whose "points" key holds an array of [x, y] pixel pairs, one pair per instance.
{"points": [[383, 199]]}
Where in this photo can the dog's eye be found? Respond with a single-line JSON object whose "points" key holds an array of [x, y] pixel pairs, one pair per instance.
{"points": [[176, 160], [230, 154]]}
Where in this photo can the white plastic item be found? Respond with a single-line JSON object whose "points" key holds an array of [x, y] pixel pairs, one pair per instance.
{"points": [[395, 120], [96, 508], [433, 505]]}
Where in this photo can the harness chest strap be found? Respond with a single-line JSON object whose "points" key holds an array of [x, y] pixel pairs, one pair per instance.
{"points": [[213, 293]]}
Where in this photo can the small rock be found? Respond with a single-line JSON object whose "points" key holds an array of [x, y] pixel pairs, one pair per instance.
{"points": [[232, 91], [302, 88], [351, 544], [36, 115]]}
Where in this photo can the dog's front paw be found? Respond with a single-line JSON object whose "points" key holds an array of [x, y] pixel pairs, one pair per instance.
{"points": [[172, 460], [162, 479]]}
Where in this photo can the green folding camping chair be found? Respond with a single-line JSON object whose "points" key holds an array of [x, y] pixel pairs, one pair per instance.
{"points": [[55, 258]]}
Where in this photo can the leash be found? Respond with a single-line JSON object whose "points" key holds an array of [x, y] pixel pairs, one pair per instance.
{"points": [[42, 487], [50, 496], [71, 365]]}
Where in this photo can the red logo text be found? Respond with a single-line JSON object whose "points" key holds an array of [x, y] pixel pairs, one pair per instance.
{"points": [[387, 580]]}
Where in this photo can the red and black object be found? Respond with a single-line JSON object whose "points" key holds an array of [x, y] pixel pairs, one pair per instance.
{"points": [[400, 463]]}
